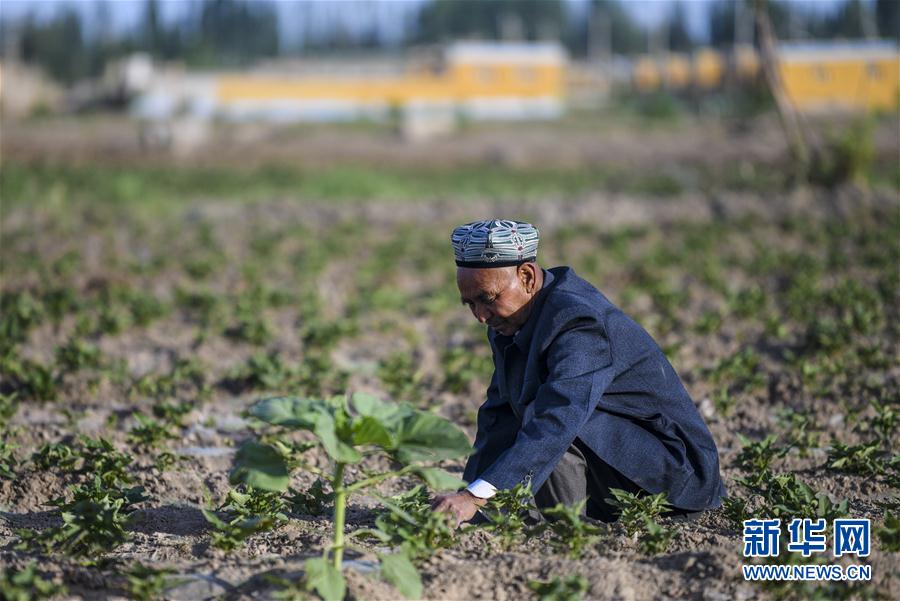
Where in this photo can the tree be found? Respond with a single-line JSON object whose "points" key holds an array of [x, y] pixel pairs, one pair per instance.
{"points": [[887, 14], [679, 37]]}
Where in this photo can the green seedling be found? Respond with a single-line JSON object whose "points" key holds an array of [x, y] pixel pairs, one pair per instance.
{"points": [[8, 460], [463, 366], [570, 588], [245, 513], [20, 313], [149, 432], [78, 354], [401, 378], [801, 433], [736, 510], [172, 413], [571, 532], [9, 405], [888, 533], [94, 521], [185, 374], [786, 497], [146, 583], [347, 430], [636, 510], [886, 422], [30, 379], [509, 514], [55, 455], [656, 538], [314, 501], [101, 459], [756, 457], [25, 584], [864, 459], [410, 524]]}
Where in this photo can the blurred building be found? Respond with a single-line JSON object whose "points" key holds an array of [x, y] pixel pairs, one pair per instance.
{"points": [[472, 80], [841, 75]]}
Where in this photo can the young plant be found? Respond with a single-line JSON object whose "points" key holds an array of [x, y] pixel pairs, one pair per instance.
{"points": [[7, 460], [509, 514], [888, 534], [571, 532], [636, 510], [347, 430], [863, 459], [9, 405], [560, 589], [655, 538], [411, 524], [245, 514], [315, 501], [757, 457], [94, 521], [146, 583], [24, 584]]}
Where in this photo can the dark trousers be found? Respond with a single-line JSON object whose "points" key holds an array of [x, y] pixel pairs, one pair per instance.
{"points": [[582, 474]]}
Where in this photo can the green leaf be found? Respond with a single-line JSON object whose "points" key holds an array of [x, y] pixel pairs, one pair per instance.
{"points": [[291, 412], [389, 414], [260, 466], [439, 479], [325, 579], [325, 428], [369, 430], [429, 437], [399, 571]]}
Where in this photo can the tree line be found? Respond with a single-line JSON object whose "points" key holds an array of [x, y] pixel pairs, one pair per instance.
{"points": [[70, 46]]}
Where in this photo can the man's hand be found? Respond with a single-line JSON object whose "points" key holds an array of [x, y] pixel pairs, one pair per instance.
{"points": [[461, 506]]}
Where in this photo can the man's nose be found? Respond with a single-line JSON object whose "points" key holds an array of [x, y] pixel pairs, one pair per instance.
{"points": [[481, 314]]}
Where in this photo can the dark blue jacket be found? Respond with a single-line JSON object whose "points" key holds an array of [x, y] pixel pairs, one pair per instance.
{"points": [[580, 367]]}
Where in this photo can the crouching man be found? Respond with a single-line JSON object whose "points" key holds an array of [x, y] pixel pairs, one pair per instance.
{"points": [[582, 399]]}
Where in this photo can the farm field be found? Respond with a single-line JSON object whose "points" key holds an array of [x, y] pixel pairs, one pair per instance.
{"points": [[147, 307]]}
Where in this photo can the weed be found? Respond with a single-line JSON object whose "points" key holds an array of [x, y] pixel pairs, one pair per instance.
{"points": [[560, 589]]}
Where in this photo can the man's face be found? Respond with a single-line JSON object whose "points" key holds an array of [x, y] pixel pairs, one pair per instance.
{"points": [[498, 296]]}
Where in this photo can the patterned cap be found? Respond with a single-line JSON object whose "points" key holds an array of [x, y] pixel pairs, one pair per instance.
{"points": [[495, 243]]}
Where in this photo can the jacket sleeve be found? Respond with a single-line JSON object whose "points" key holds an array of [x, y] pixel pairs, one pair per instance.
{"points": [[497, 427], [579, 369]]}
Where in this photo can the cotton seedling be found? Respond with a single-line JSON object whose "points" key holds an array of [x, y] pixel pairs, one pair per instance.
{"points": [[636, 510], [401, 378], [571, 532], [347, 430], [148, 432], [570, 588], [314, 501], [94, 520], [656, 538], [55, 455], [509, 514], [888, 534], [9, 405], [462, 366], [756, 457], [8, 460], [787, 497], [865, 459], [410, 524], [146, 583], [25, 584], [77, 354], [243, 514]]}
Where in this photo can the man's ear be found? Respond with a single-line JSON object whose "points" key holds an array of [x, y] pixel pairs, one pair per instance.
{"points": [[528, 277]]}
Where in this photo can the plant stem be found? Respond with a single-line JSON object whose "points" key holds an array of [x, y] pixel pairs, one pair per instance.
{"points": [[340, 502]]}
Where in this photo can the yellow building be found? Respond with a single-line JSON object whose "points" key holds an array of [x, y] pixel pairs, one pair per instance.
{"points": [[844, 76], [476, 80]]}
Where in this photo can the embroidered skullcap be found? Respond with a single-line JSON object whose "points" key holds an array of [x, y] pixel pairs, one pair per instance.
{"points": [[495, 243]]}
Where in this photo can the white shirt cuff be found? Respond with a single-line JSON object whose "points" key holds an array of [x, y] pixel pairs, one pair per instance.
{"points": [[482, 489]]}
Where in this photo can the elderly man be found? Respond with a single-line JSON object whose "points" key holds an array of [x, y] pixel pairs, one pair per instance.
{"points": [[582, 399]]}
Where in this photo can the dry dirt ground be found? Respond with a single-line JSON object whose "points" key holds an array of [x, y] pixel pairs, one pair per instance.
{"points": [[781, 313]]}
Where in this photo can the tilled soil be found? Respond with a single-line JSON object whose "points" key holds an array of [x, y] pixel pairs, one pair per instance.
{"points": [[387, 268]]}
